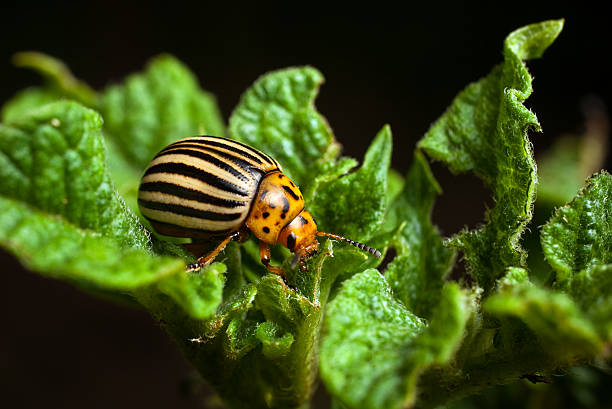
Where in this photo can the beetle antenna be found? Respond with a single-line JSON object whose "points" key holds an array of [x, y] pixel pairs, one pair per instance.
{"points": [[352, 242]]}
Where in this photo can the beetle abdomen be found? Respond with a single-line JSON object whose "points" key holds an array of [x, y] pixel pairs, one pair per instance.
{"points": [[202, 186]]}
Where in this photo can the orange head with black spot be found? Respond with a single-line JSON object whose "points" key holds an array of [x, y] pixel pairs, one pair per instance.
{"points": [[278, 216], [300, 236]]}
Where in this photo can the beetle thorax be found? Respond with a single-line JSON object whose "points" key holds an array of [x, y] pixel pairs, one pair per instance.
{"points": [[278, 201]]}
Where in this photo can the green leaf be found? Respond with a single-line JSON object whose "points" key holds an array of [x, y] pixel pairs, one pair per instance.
{"points": [[147, 112], [485, 131], [54, 160], [327, 173], [572, 158], [157, 107], [563, 331], [261, 346], [560, 172], [354, 205], [273, 345], [417, 273], [578, 237], [277, 115], [199, 294], [50, 245], [374, 348], [366, 324], [395, 185], [26, 100], [233, 305], [59, 84], [59, 79], [62, 217], [577, 242]]}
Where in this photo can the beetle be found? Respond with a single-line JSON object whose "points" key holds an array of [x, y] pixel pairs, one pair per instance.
{"points": [[216, 188]]}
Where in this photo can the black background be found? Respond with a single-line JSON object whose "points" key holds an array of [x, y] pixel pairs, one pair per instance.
{"points": [[62, 348]]}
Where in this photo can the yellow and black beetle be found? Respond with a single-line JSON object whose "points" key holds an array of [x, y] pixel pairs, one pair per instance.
{"points": [[214, 188]]}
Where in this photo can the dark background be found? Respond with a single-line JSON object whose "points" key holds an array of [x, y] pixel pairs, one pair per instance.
{"points": [[62, 348]]}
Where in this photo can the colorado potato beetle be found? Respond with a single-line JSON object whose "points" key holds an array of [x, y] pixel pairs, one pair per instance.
{"points": [[215, 188]]}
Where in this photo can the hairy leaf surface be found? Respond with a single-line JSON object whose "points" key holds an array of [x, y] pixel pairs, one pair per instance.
{"points": [[62, 216], [277, 115], [154, 108], [374, 348], [354, 205], [485, 131], [417, 273], [577, 242]]}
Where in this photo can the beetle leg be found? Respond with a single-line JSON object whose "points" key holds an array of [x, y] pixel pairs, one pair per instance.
{"points": [[208, 258], [303, 264], [264, 254], [242, 235]]}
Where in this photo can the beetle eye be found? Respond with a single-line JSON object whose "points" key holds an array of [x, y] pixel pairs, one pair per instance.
{"points": [[291, 240]]}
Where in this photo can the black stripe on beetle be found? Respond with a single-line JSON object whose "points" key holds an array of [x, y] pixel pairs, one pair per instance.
{"points": [[207, 143], [189, 194], [291, 192], [207, 158], [263, 155], [196, 173], [188, 211], [253, 151], [243, 164]]}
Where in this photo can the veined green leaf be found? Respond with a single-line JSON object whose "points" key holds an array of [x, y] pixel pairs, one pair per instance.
{"points": [[157, 107], [556, 320], [277, 115], [417, 273], [485, 131], [143, 115], [26, 100], [50, 245], [61, 215], [328, 172], [374, 348], [199, 294], [261, 345], [577, 242], [273, 344], [54, 160], [579, 235], [354, 205]]}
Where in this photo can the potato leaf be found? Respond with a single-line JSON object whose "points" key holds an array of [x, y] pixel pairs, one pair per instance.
{"points": [[61, 215], [485, 131]]}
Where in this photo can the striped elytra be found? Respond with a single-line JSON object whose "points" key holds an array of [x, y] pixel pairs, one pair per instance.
{"points": [[202, 186], [215, 188]]}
